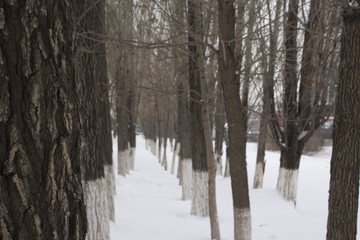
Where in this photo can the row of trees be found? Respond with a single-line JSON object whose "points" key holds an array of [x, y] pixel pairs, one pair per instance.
{"points": [[178, 69], [283, 68]]}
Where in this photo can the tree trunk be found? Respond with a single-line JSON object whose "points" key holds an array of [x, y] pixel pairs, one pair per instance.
{"points": [[131, 106], [344, 179], [214, 221], [219, 129], [99, 182], [199, 201], [164, 162], [185, 157], [267, 87], [41, 195], [234, 113]]}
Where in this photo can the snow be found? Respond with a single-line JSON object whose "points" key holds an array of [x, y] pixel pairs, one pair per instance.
{"points": [[148, 202]]}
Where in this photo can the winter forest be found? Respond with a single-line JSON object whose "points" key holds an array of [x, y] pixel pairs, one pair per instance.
{"points": [[174, 119]]}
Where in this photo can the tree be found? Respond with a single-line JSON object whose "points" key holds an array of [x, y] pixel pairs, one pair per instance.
{"points": [[344, 179], [269, 74], [122, 71], [96, 142], [302, 109], [41, 195], [234, 113], [199, 201], [182, 83]]}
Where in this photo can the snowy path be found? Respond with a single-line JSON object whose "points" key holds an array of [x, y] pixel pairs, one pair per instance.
{"points": [[148, 203], [149, 206]]}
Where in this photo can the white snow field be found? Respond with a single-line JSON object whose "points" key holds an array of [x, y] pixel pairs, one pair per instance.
{"points": [[148, 202]]}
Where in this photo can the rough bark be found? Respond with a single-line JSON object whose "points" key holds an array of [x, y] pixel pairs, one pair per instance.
{"points": [[344, 179], [233, 108], [41, 195]]}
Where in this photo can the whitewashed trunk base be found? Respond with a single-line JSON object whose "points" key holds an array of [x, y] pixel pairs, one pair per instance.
{"points": [[132, 158], [97, 209], [110, 189], [287, 184], [123, 162], [259, 175], [175, 153], [153, 147], [186, 165], [242, 224], [147, 144], [200, 194]]}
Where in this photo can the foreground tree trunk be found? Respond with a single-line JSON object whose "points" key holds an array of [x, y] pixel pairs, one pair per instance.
{"points": [[237, 153], [344, 180], [41, 195], [199, 201]]}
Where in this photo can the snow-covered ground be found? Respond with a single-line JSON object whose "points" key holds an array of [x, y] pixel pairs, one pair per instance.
{"points": [[148, 203]]}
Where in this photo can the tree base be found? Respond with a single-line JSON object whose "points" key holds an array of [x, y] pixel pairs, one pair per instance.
{"points": [[200, 194], [287, 184], [242, 222], [97, 209], [259, 175], [186, 184]]}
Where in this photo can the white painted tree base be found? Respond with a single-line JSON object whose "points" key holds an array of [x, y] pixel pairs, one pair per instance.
{"points": [[147, 144], [200, 194], [123, 163], [152, 145], [175, 153], [97, 209], [259, 175], [242, 224], [287, 184], [110, 189], [186, 170]]}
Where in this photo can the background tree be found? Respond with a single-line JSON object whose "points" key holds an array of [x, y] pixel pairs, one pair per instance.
{"points": [[40, 162], [302, 109], [268, 65], [344, 180]]}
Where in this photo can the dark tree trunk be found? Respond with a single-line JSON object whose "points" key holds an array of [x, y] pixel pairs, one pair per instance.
{"points": [[344, 180], [131, 106], [219, 129], [99, 184], [234, 114], [185, 165], [200, 176], [41, 194], [122, 121]]}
